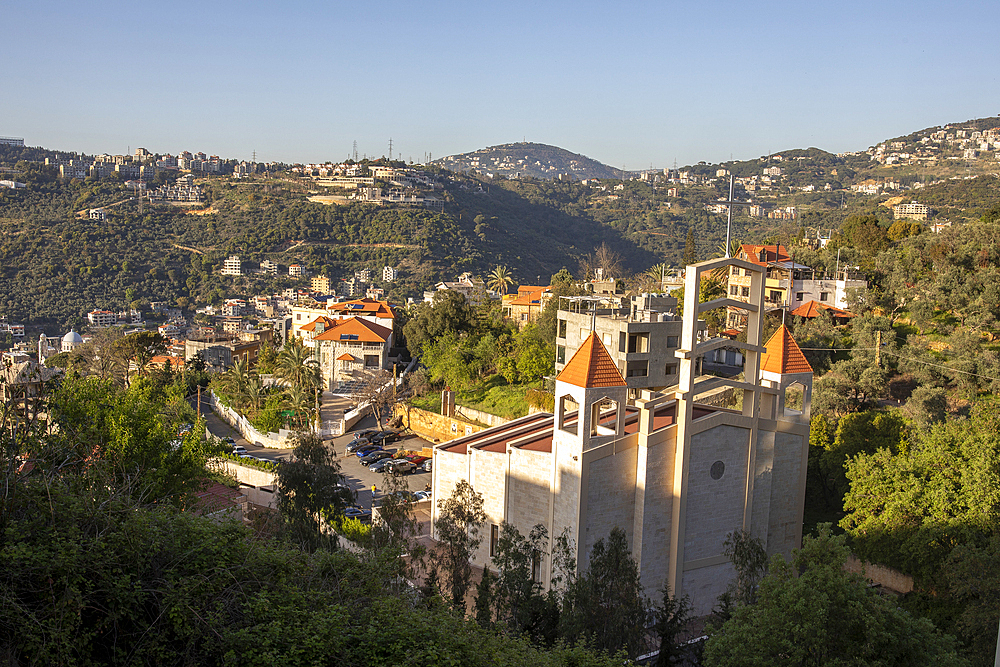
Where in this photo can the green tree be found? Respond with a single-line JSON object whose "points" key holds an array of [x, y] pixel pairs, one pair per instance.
{"points": [[311, 493], [136, 350], [605, 604], [972, 572], [690, 249], [671, 616], [267, 359], [518, 603], [866, 234], [749, 558], [460, 517], [450, 313], [908, 507], [813, 612]]}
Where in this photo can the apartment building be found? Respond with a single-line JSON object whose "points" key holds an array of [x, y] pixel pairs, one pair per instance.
{"points": [[641, 336], [232, 266]]}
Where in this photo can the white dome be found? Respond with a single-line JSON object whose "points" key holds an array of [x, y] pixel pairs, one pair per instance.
{"points": [[72, 337]]}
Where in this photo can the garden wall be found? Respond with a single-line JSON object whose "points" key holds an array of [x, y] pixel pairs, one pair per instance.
{"points": [[886, 577]]}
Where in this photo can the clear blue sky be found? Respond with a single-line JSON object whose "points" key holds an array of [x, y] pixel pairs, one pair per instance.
{"points": [[630, 84]]}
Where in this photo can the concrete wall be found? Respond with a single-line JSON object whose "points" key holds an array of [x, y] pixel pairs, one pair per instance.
{"points": [[244, 474], [480, 416], [280, 440], [610, 499], [528, 490], [715, 508], [261, 497], [656, 479], [449, 469], [489, 471], [785, 526], [886, 577]]}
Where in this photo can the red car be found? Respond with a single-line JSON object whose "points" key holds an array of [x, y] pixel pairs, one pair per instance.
{"points": [[416, 459]]}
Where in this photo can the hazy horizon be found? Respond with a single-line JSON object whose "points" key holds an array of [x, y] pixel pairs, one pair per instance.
{"points": [[631, 86]]}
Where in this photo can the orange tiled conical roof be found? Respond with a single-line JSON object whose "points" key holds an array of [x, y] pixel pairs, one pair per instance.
{"points": [[592, 366], [783, 354]]}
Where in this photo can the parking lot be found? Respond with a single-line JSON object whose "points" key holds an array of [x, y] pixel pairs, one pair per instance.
{"points": [[357, 476]]}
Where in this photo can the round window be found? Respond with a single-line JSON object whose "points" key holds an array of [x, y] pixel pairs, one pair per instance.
{"points": [[718, 470]]}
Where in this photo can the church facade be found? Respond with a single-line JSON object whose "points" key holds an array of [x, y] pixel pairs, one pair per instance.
{"points": [[676, 473]]}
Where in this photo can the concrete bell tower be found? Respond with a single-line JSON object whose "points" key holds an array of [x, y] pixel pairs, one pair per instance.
{"points": [[590, 403]]}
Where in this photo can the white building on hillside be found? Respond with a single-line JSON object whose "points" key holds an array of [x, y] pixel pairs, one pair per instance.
{"points": [[232, 266]]}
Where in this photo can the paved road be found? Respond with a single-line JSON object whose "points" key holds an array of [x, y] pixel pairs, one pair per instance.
{"points": [[357, 476]]}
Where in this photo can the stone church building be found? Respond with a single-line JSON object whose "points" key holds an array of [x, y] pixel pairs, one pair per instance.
{"points": [[676, 473]]}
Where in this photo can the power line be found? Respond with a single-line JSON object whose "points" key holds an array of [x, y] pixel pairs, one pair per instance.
{"points": [[899, 356]]}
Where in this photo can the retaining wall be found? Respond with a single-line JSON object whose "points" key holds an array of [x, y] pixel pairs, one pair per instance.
{"points": [[435, 427], [884, 576]]}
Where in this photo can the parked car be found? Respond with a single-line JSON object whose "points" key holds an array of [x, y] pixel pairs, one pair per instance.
{"points": [[375, 456], [387, 437], [427, 464], [417, 460], [229, 440], [401, 466], [365, 433], [360, 513], [239, 450], [423, 495], [365, 450], [356, 444], [381, 466]]}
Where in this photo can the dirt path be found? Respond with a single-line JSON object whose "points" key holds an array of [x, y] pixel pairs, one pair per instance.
{"points": [[184, 247], [350, 245]]}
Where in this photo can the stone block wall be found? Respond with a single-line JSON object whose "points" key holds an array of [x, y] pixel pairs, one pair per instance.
{"points": [[658, 479], [785, 526], [435, 427], [610, 498], [489, 471]]}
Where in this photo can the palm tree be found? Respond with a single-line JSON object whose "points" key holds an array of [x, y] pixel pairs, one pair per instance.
{"points": [[297, 366], [654, 275], [234, 382], [300, 401], [254, 394], [499, 279]]}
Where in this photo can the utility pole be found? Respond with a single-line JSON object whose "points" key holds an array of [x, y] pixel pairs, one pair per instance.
{"points": [[878, 348], [729, 217]]}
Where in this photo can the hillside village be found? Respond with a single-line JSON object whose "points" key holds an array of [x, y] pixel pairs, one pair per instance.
{"points": [[578, 369]]}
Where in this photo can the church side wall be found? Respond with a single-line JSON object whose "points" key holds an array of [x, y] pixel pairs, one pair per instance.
{"points": [[566, 494], [785, 526], [528, 495], [714, 509], [610, 498], [659, 495], [489, 475], [449, 469], [528, 489]]}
